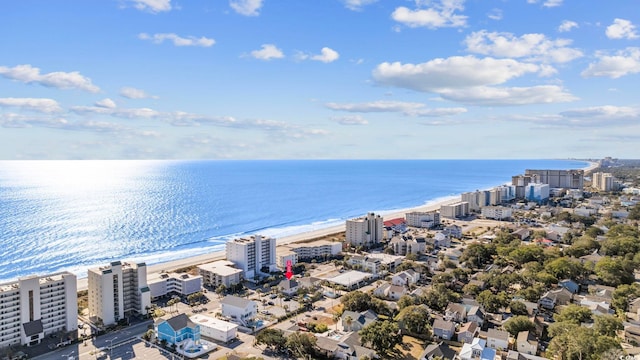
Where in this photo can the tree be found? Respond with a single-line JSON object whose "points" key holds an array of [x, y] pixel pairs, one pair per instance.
{"points": [[607, 325], [347, 321], [404, 301], [492, 302], [415, 319], [574, 342], [411, 257], [574, 314], [517, 324], [565, 268], [623, 294], [356, 301], [382, 336], [221, 289], [614, 272], [272, 338], [525, 254], [303, 345], [518, 308], [478, 255]]}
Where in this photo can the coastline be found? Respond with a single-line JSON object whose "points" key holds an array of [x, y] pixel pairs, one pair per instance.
{"points": [[300, 237]]}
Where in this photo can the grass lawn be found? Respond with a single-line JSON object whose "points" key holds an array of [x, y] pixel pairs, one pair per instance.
{"points": [[411, 348]]}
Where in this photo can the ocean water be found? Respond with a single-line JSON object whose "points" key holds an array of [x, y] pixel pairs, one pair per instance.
{"points": [[72, 215]]}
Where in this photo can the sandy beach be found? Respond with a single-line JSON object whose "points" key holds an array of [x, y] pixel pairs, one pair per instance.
{"points": [[205, 258]]}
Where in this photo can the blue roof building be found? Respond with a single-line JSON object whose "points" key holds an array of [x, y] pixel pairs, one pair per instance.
{"points": [[177, 329]]}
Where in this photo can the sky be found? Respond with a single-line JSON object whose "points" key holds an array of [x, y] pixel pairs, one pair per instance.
{"points": [[319, 79]]}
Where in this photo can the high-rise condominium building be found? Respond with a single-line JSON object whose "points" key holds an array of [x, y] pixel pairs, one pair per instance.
{"points": [[34, 307], [365, 231], [117, 291], [423, 219], [254, 255], [568, 179], [537, 192], [456, 210], [603, 181]]}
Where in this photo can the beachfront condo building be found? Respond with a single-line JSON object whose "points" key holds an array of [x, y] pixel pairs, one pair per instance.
{"points": [[455, 210], [537, 192], [496, 212], [173, 284], [318, 249], [221, 272], [254, 255], [423, 219], [285, 256], [117, 291], [603, 181], [567, 179], [365, 231], [34, 307]]}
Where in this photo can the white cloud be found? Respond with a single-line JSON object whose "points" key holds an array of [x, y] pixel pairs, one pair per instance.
{"points": [[548, 3], [35, 104], [621, 29], [552, 3], [495, 14], [133, 113], [357, 5], [267, 52], [452, 72], [61, 80], [377, 106], [326, 55], [606, 112], [154, 6], [406, 108], [567, 25], [623, 62], [441, 13], [608, 116], [246, 7], [350, 120], [133, 93], [507, 96], [106, 103], [528, 46], [177, 40]]}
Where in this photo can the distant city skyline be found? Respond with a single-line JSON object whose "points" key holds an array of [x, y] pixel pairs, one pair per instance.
{"points": [[319, 79]]}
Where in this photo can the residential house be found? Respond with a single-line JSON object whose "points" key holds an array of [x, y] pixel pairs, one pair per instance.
{"points": [[177, 329], [570, 285], [405, 278], [467, 332], [354, 321], [594, 257], [390, 292], [288, 287], [453, 231], [240, 310], [477, 350], [634, 305], [438, 351], [551, 298], [497, 339], [440, 239], [522, 233], [601, 291], [455, 312], [444, 329], [476, 315], [364, 263], [514, 355], [527, 343]]}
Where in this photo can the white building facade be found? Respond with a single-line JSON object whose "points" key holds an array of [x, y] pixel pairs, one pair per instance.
{"points": [[116, 291], [221, 272], [315, 249], [496, 212], [423, 219], [240, 310], [456, 210], [253, 254], [365, 231], [536, 192], [34, 307], [215, 329], [181, 284]]}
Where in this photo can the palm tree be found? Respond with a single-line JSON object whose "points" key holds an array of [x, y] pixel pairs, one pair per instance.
{"points": [[348, 321]]}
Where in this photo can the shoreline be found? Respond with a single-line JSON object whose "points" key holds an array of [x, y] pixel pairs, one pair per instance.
{"points": [[173, 265]]}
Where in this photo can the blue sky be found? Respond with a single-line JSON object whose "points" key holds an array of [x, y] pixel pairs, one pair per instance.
{"points": [[283, 79]]}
